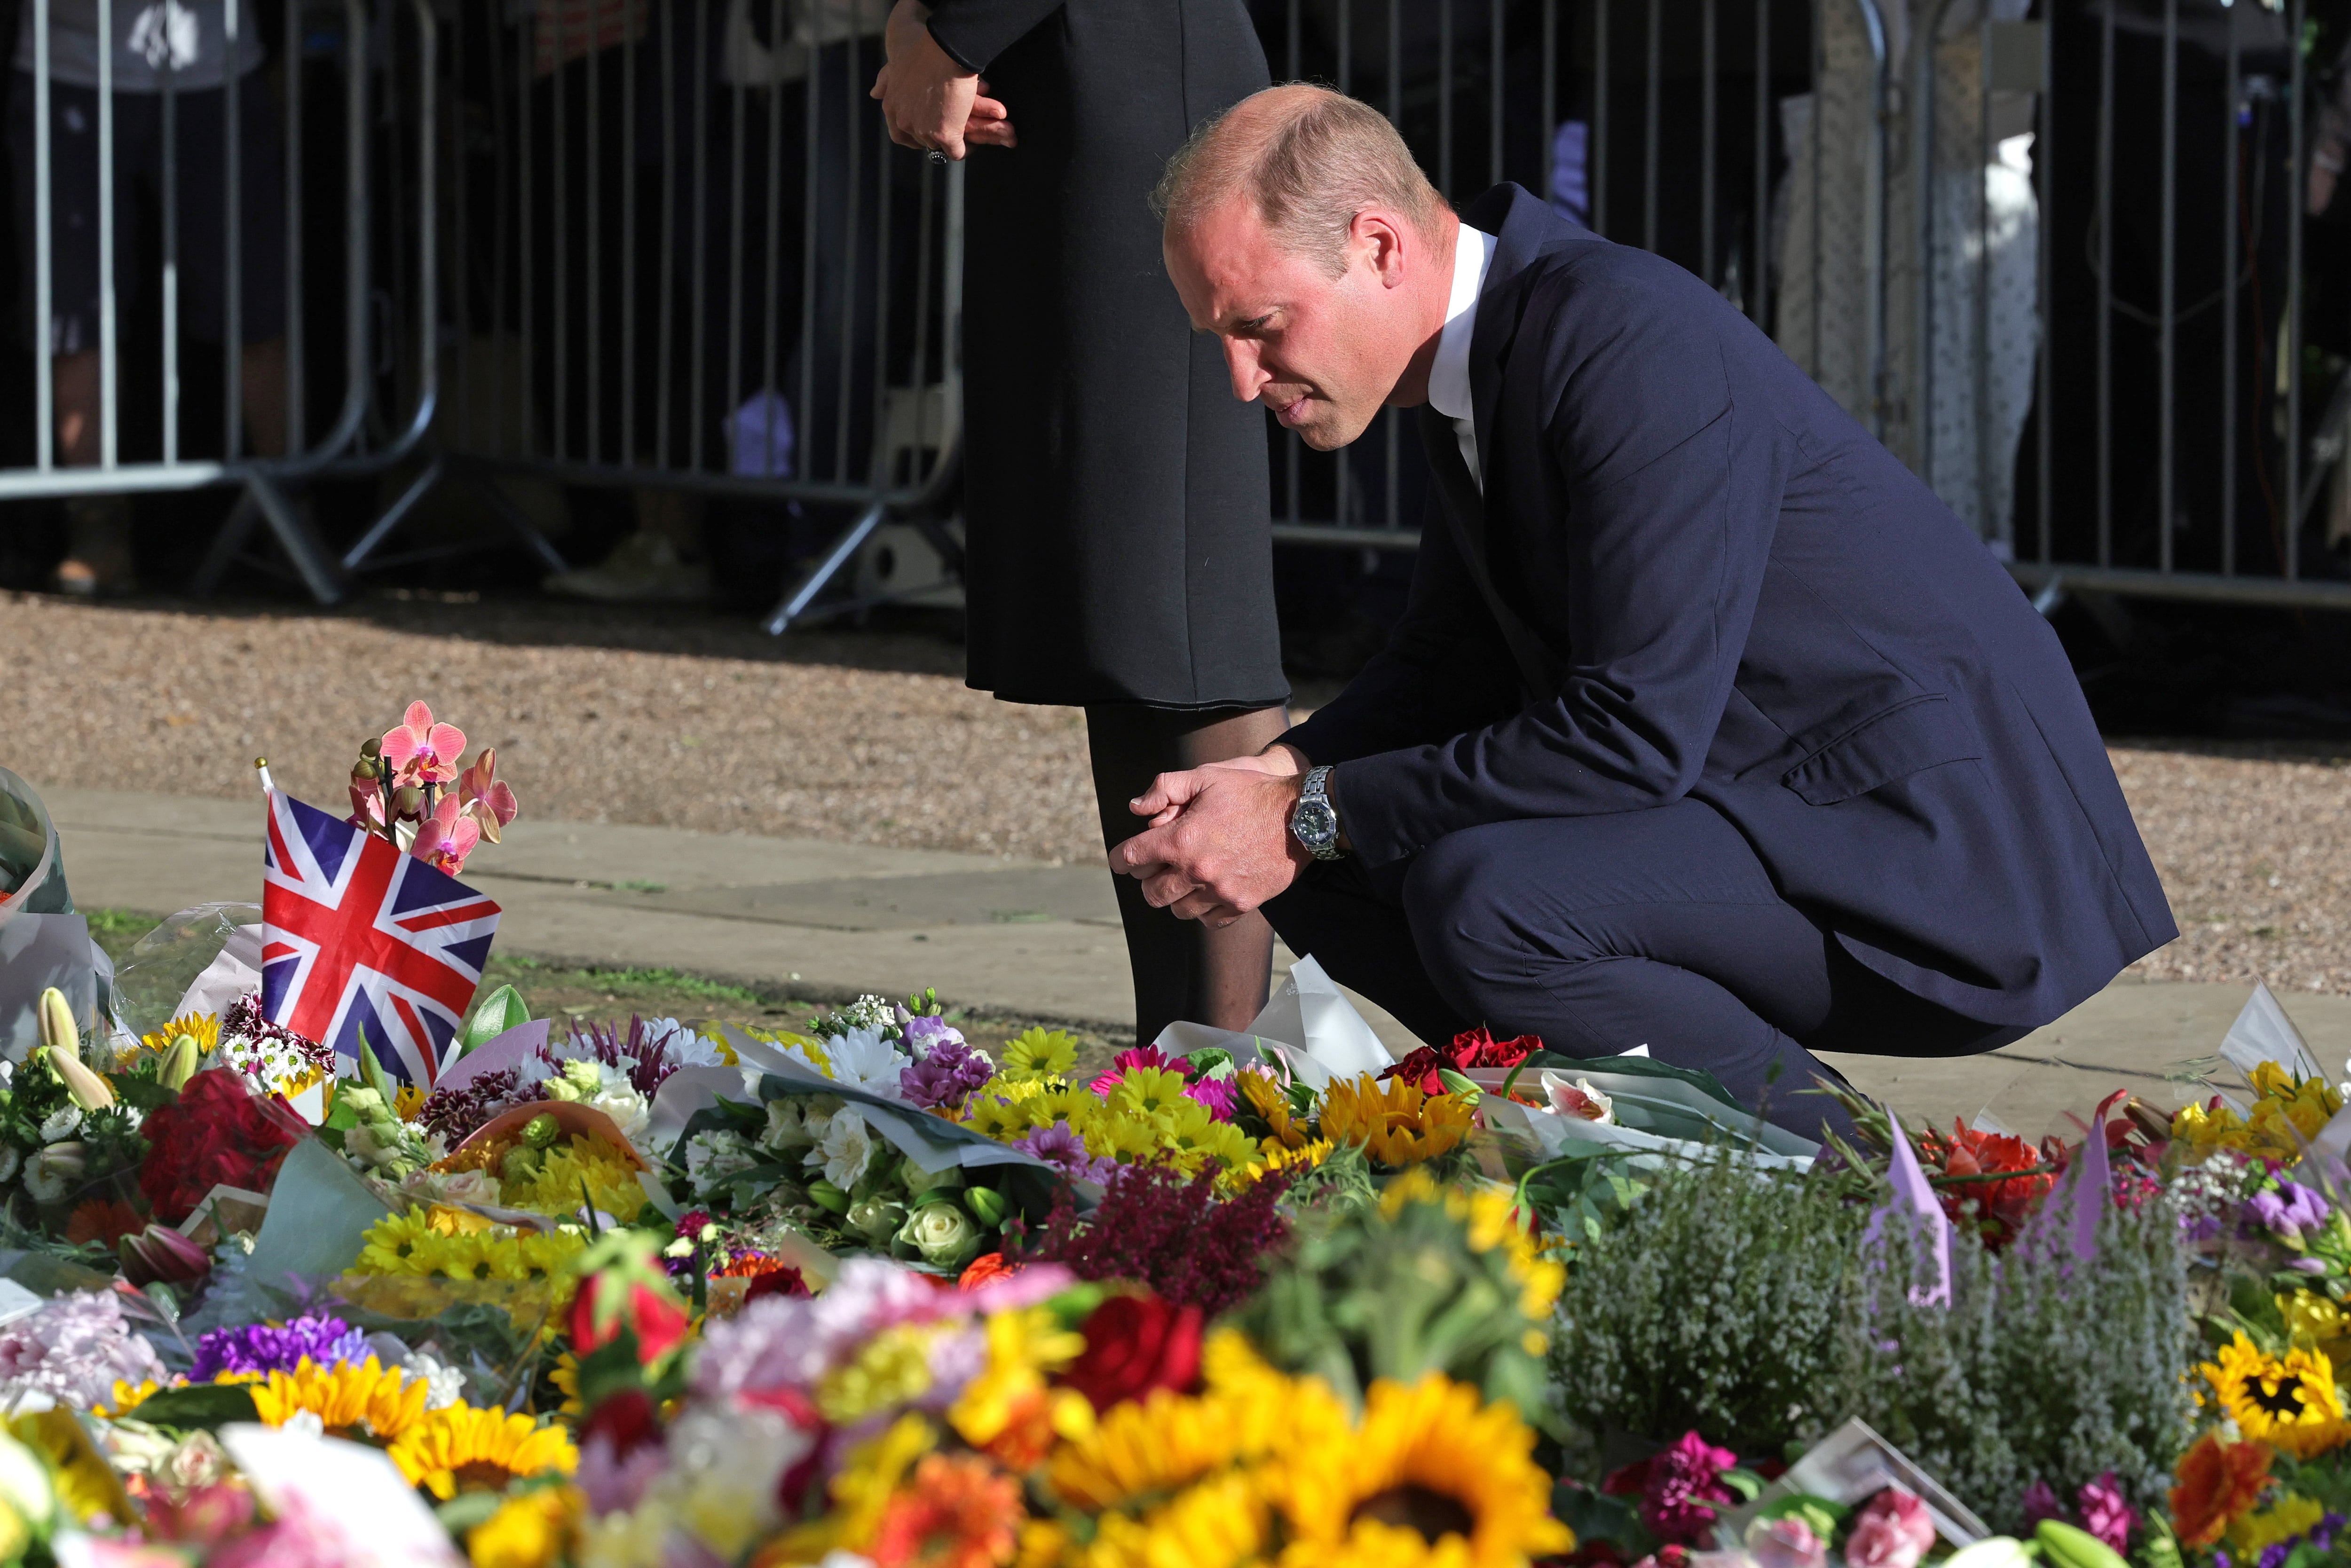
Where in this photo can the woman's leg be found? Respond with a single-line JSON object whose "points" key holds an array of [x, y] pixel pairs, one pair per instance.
{"points": [[1182, 970]]}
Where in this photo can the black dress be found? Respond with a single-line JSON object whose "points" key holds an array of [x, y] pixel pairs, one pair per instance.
{"points": [[1115, 493]]}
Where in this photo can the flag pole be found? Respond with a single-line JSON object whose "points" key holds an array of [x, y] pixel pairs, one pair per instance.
{"points": [[261, 766]]}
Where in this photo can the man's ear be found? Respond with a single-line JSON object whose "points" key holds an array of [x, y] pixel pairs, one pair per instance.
{"points": [[1381, 241]]}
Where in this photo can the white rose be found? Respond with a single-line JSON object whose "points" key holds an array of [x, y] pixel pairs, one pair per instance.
{"points": [[619, 1098]]}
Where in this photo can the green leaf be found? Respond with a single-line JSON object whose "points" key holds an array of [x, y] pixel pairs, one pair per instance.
{"points": [[206, 1405], [468, 1508], [495, 1014]]}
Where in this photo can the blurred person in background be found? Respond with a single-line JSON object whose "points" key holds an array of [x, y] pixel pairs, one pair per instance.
{"points": [[190, 47], [1116, 497]]}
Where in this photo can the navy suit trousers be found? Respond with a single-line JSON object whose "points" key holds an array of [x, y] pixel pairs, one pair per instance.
{"points": [[1603, 934]]}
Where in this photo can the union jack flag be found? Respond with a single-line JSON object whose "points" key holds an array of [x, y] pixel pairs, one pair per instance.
{"points": [[357, 936]]}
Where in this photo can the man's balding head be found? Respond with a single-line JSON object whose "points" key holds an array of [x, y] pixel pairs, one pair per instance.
{"points": [[1307, 160], [1300, 231]]}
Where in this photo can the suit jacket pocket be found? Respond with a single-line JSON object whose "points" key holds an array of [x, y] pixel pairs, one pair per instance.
{"points": [[1922, 733]]}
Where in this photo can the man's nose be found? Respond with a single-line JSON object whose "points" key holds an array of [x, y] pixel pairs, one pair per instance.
{"points": [[1249, 376]]}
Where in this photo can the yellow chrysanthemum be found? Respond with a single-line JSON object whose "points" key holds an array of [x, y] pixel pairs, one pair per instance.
{"points": [[2289, 1516], [408, 1102], [1023, 1349], [1007, 1111], [1193, 1136], [812, 1052], [369, 1400], [204, 1027], [1492, 1215], [1272, 1158], [2289, 1402], [449, 1243], [1394, 1122], [1432, 1476], [1149, 1092], [1039, 1052], [464, 1448], [580, 1163], [530, 1530], [893, 1367]]}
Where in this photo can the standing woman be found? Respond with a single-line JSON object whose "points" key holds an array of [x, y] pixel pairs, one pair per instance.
{"points": [[1115, 493]]}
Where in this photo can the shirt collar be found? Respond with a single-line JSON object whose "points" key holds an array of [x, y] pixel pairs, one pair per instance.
{"points": [[1449, 377]]}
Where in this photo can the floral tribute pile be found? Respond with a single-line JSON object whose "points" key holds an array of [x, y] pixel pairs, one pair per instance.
{"points": [[865, 1294]]}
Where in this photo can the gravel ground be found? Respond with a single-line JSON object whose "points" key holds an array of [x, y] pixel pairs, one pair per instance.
{"points": [[872, 737]]}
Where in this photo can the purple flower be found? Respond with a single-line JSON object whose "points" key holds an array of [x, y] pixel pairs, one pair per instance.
{"points": [[1218, 1095], [2041, 1502], [1060, 1145], [2288, 1212], [925, 1034], [2105, 1512], [946, 1075], [259, 1347]]}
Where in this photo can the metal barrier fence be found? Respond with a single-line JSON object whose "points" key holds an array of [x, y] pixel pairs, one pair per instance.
{"points": [[2050, 253], [688, 259], [211, 155], [2054, 260]]}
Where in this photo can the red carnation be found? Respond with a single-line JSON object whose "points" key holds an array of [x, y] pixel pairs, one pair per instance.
{"points": [[221, 1131], [1135, 1345]]}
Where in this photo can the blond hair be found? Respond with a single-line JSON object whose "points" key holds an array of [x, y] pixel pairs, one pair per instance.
{"points": [[1310, 159]]}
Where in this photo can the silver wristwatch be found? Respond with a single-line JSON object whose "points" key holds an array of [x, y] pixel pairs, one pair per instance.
{"points": [[1313, 820]]}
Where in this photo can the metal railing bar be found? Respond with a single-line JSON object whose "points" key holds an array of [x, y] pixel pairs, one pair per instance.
{"points": [[2228, 306], [2167, 351]]}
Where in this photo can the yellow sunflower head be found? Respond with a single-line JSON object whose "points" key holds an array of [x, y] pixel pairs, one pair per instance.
{"points": [[530, 1530], [204, 1026], [1397, 1123], [369, 1400], [1434, 1476], [2289, 1401], [464, 1448]]}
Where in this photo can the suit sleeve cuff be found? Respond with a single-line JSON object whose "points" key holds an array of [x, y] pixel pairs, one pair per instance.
{"points": [[1370, 794], [943, 32]]}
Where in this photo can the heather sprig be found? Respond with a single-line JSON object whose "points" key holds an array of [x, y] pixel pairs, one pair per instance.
{"points": [[1172, 1233]]}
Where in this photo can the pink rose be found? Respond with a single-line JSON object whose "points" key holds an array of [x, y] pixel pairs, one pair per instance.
{"points": [[1893, 1531], [1786, 1541]]}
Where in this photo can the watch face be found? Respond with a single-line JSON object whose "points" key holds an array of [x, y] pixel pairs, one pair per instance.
{"points": [[1315, 823]]}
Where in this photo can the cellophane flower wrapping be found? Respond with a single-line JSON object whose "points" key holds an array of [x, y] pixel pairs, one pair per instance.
{"points": [[221, 1131]]}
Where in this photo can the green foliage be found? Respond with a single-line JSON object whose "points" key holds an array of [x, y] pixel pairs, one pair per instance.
{"points": [[1743, 1304], [1398, 1290], [1711, 1305], [2043, 1368]]}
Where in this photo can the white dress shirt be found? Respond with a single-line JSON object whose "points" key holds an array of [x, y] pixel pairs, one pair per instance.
{"points": [[1448, 378]]}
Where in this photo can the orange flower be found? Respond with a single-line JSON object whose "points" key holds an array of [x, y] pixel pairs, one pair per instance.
{"points": [[2218, 1481], [103, 1220], [959, 1513], [984, 1269]]}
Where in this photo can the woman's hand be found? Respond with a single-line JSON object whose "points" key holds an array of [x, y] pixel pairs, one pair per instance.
{"points": [[929, 101]]}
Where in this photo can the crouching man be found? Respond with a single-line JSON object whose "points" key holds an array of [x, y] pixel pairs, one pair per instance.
{"points": [[1708, 728]]}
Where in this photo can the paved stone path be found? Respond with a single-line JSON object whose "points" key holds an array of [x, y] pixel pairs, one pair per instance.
{"points": [[1008, 935]]}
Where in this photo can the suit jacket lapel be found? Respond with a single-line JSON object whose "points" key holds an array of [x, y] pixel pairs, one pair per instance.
{"points": [[1465, 512]]}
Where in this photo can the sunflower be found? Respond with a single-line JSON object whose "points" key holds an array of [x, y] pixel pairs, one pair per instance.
{"points": [[1396, 1123], [2289, 1402], [1266, 1096], [529, 1531], [958, 1511], [366, 1400], [464, 1448], [1220, 1523], [1432, 1476], [204, 1027], [1273, 1156], [1141, 1450], [2218, 1482]]}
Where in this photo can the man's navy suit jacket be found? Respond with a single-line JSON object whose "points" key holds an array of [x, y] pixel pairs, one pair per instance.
{"points": [[1748, 601]]}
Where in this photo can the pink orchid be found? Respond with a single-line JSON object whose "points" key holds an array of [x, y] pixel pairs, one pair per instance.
{"points": [[484, 799], [423, 752], [447, 837], [367, 806]]}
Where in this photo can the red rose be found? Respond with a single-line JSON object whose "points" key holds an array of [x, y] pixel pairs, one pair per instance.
{"points": [[1135, 1345], [220, 1131], [780, 1280], [626, 1421]]}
